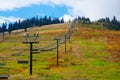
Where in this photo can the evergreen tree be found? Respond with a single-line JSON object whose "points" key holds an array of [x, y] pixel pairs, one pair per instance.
{"points": [[110, 24], [4, 27], [10, 28], [62, 20], [34, 21]]}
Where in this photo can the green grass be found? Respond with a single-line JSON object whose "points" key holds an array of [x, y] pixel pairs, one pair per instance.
{"points": [[93, 65], [84, 60], [91, 25]]}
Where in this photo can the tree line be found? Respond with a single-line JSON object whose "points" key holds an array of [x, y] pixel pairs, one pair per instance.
{"points": [[84, 20], [112, 24], [27, 23]]}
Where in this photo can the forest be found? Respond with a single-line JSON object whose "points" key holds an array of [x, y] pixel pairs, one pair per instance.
{"points": [[27, 23], [112, 24]]}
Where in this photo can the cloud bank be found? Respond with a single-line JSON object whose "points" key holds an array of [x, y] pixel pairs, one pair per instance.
{"points": [[9, 19], [94, 9], [67, 18]]}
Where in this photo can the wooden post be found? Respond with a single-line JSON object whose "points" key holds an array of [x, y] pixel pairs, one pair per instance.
{"points": [[65, 42], [57, 54], [31, 49], [31, 46]]}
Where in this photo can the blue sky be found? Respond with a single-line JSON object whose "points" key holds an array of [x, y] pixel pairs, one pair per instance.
{"points": [[33, 10], [12, 10]]}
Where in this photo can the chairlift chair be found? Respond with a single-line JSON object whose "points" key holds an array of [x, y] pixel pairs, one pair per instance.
{"points": [[22, 60], [2, 61], [4, 73], [49, 47]]}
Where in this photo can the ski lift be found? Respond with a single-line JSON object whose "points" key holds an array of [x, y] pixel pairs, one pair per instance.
{"points": [[22, 59], [4, 72], [15, 51], [2, 61]]}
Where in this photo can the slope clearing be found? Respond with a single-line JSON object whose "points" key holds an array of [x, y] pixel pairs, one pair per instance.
{"points": [[92, 54]]}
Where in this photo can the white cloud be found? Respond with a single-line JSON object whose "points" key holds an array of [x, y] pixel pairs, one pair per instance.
{"points": [[10, 19], [13, 4], [2, 21], [94, 9], [67, 18]]}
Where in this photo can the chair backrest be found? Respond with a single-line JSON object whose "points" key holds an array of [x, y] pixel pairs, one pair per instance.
{"points": [[4, 73]]}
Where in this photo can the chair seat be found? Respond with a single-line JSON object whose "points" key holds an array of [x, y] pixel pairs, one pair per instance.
{"points": [[4, 77], [22, 62]]}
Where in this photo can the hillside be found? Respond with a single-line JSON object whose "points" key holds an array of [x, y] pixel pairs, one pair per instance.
{"points": [[92, 54]]}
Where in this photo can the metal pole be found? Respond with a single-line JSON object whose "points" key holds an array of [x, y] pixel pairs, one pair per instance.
{"points": [[65, 43], [69, 36], [31, 58], [26, 41], [57, 54]]}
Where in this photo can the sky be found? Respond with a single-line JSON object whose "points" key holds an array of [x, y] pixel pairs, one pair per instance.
{"points": [[13, 10]]}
